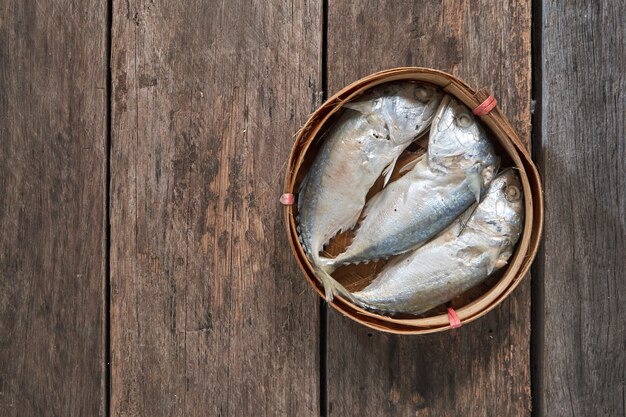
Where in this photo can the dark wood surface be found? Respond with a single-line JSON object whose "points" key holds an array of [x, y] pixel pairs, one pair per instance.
{"points": [[208, 313], [582, 153], [482, 368], [52, 206]]}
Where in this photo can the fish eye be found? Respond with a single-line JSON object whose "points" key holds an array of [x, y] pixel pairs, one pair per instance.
{"points": [[512, 193], [464, 120], [423, 93]]}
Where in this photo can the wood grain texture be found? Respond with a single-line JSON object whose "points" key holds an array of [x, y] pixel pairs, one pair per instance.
{"points": [[582, 352], [482, 368], [52, 199], [209, 314]]}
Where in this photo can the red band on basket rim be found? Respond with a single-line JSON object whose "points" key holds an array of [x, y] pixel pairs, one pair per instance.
{"points": [[455, 321], [486, 106], [287, 199]]}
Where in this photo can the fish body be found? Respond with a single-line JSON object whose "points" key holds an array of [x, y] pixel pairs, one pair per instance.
{"points": [[462, 256], [364, 142], [456, 170]]}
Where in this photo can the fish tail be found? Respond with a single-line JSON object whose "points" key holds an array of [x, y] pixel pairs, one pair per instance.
{"points": [[323, 268], [331, 286]]}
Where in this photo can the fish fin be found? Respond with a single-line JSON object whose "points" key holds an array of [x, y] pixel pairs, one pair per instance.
{"points": [[368, 109], [351, 222], [500, 263], [364, 106], [371, 203], [474, 183], [389, 170], [492, 266], [411, 164]]}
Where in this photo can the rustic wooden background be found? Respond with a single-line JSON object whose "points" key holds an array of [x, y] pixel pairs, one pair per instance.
{"points": [[144, 268]]}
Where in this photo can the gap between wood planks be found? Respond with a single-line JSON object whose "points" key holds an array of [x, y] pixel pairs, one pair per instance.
{"points": [[106, 372], [537, 296], [323, 309]]}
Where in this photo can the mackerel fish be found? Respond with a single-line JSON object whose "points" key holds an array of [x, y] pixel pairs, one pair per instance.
{"points": [[364, 142], [462, 256]]}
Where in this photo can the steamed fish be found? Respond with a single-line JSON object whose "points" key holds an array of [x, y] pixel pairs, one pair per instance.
{"points": [[459, 258], [456, 170], [364, 142]]}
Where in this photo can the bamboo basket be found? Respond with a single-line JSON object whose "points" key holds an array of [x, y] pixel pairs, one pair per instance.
{"points": [[475, 302]]}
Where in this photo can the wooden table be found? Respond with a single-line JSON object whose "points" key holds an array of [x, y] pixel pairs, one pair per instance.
{"points": [[144, 267]]}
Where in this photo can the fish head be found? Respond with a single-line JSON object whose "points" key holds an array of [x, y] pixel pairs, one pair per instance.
{"points": [[408, 109], [458, 141], [501, 213]]}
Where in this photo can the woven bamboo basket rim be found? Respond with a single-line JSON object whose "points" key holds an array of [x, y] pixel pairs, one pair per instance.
{"points": [[509, 141]]}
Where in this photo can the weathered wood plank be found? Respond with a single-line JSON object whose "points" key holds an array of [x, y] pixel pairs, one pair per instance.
{"points": [[582, 361], [482, 368], [210, 315], [52, 199]]}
